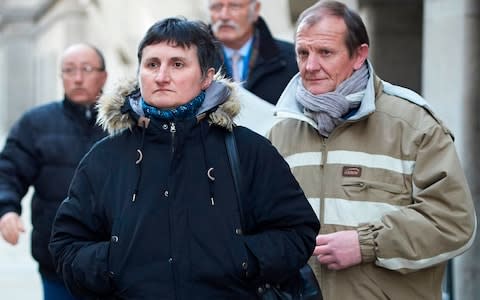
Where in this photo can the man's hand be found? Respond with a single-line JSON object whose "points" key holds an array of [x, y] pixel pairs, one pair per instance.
{"points": [[338, 250], [11, 226]]}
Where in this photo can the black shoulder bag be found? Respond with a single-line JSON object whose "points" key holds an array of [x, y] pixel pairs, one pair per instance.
{"points": [[308, 288]]}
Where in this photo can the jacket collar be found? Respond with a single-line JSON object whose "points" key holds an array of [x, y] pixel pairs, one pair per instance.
{"points": [[83, 112], [267, 47], [288, 106]]}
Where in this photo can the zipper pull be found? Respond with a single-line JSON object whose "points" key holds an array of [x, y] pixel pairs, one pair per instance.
{"points": [[173, 130]]}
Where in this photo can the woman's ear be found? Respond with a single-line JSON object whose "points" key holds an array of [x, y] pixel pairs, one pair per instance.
{"points": [[208, 78]]}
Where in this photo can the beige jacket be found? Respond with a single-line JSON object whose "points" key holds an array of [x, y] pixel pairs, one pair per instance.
{"points": [[392, 173]]}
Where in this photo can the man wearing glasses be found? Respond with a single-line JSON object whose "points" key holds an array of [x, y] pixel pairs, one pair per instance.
{"points": [[43, 149], [251, 56]]}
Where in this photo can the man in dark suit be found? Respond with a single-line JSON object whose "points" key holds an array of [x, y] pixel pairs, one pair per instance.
{"points": [[251, 56]]}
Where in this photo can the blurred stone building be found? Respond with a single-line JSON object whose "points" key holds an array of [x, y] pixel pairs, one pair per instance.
{"points": [[430, 46]]}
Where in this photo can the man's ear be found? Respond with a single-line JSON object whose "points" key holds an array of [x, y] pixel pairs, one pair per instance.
{"points": [[104, 77], [208, 78], [361, 55], [258, 5]]}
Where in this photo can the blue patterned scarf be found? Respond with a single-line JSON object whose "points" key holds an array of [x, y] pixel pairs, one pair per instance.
{"points": [[181, 112]]}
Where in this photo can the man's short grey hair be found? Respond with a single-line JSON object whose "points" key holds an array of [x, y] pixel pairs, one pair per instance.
{"points": [[356, 31]]}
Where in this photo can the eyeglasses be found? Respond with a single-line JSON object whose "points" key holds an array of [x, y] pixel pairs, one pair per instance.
{"points": [[85, 69], [232, 6]]}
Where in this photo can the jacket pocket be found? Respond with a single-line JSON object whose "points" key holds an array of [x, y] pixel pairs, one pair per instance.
{"points": [[377, 191], [365, 184], [220, 255]]}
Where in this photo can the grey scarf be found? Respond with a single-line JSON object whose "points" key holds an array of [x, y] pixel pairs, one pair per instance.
{"points": [[329, 108]]}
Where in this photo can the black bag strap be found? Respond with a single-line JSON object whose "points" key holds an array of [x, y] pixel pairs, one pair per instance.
{"points": [[309, 289], [234, 160]]}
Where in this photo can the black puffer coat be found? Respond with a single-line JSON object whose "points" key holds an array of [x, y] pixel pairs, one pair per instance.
{"points": [[42, 150], [144, 221]]}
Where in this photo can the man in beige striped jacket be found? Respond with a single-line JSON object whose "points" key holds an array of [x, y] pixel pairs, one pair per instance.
{"points": [[379, 168]]}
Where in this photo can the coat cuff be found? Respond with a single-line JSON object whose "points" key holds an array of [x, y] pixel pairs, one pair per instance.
{"points": [[366, 237], [9, 208]]}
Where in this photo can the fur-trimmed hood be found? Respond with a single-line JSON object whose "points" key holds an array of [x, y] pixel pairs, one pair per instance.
{"points": [[114, 117]]}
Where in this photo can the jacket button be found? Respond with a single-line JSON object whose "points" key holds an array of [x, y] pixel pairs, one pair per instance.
{"points": [[114, 238], [260, 290], [165, 126], [244, 265], [165, 193], [238, 231], [111, 274]]}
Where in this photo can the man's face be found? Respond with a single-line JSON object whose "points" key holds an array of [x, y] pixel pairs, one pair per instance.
{"points": [[82, 75], [233, 20], [322, 54], [170, 75]]}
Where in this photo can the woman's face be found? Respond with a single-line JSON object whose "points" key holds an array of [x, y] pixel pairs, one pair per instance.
{"points": [[170, 75]]}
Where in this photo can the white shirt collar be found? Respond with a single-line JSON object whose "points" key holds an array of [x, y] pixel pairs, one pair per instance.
{"points": [[243, 51]]}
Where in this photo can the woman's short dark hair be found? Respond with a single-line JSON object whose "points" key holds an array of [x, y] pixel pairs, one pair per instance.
{"points": [[184, 33], [356, 31]]}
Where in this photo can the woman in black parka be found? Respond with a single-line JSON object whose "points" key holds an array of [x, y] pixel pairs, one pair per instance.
{"points": [[152, 210]]}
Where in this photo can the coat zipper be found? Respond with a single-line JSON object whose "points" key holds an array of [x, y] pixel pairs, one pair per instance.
{"points": [[172, 258], [322, 199], [173, 130]]}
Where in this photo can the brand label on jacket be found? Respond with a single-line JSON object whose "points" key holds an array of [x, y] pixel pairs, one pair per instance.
{"points": [[349, 171]]}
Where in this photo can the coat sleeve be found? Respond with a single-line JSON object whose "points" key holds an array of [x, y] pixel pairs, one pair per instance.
{"points": [[80, 242], [19, 164], [440, 222], [281, 224]]}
